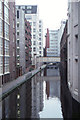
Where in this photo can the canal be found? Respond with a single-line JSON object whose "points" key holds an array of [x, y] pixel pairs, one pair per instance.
{"points": [[39, 97]]}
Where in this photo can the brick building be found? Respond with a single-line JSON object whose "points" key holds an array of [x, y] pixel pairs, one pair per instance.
{"points": [[12, 37], [47, 41], [27, 45], [7, 41]]}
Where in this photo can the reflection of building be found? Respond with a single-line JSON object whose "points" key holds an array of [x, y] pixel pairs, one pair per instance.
{"points": [[47, 89], [9, 106], [37, 96], [52, 84], [26, 101], [18, 103]]}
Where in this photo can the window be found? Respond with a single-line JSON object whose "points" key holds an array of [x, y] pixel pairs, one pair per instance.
{"points": [[13, 9], [17, 13], [39, 30], [1, 28], [1, 69], [28, 17], [13, 23], [1, 50], [6, 31], [17, 51], [6, 14], [13, 38], [0, 8], [34, 49], [6, 44], [1, 42], [34, 36], [17, 43], [40, 52], [39, 43], [6, 64], [76, 45], [29, 7], [13, 52], [34, 23], [19, 7], [34, 30], [7, 51], [6, 68], [40, 21], [6, 3], [39, 38], [34, 42], [40, 48], [39, 34], [1, 65], [17, 24], [18, 33], [29, 12], [39, 25]]}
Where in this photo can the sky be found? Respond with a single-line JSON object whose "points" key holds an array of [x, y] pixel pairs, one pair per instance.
{"points": [[51, 12]]}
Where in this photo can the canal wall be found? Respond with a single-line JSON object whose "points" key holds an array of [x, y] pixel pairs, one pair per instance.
{"points": [[11, 86], [70, 107]]}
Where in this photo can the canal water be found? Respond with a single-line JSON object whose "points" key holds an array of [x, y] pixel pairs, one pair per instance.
{"points": [[39, 97]]}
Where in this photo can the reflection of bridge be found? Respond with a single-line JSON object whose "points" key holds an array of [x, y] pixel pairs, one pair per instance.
{"points": [[48, 59], [49, 78]]}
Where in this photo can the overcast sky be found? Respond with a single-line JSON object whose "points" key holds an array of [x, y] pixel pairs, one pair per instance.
{"points": [[50, 11]]}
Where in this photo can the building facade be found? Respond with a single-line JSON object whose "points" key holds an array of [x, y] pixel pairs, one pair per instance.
{"points": [[28, 49], [7, 41], [73, 49], [31, 14], [60, 33], [66, 108], [40, 38], [12, 37], [23, 44], [70, 63], [52, 43], [4, 40], [20, 41]]}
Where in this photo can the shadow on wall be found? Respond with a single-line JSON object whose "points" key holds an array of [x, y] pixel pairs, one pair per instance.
{"points": [[70, 107]]}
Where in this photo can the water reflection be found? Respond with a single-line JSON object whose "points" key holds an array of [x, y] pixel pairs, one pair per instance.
{"points": [[52, 108], [26, 101], [39, 97]]}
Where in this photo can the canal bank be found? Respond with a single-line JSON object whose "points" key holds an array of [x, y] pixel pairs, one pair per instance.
{"points": [[11, 86]]}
